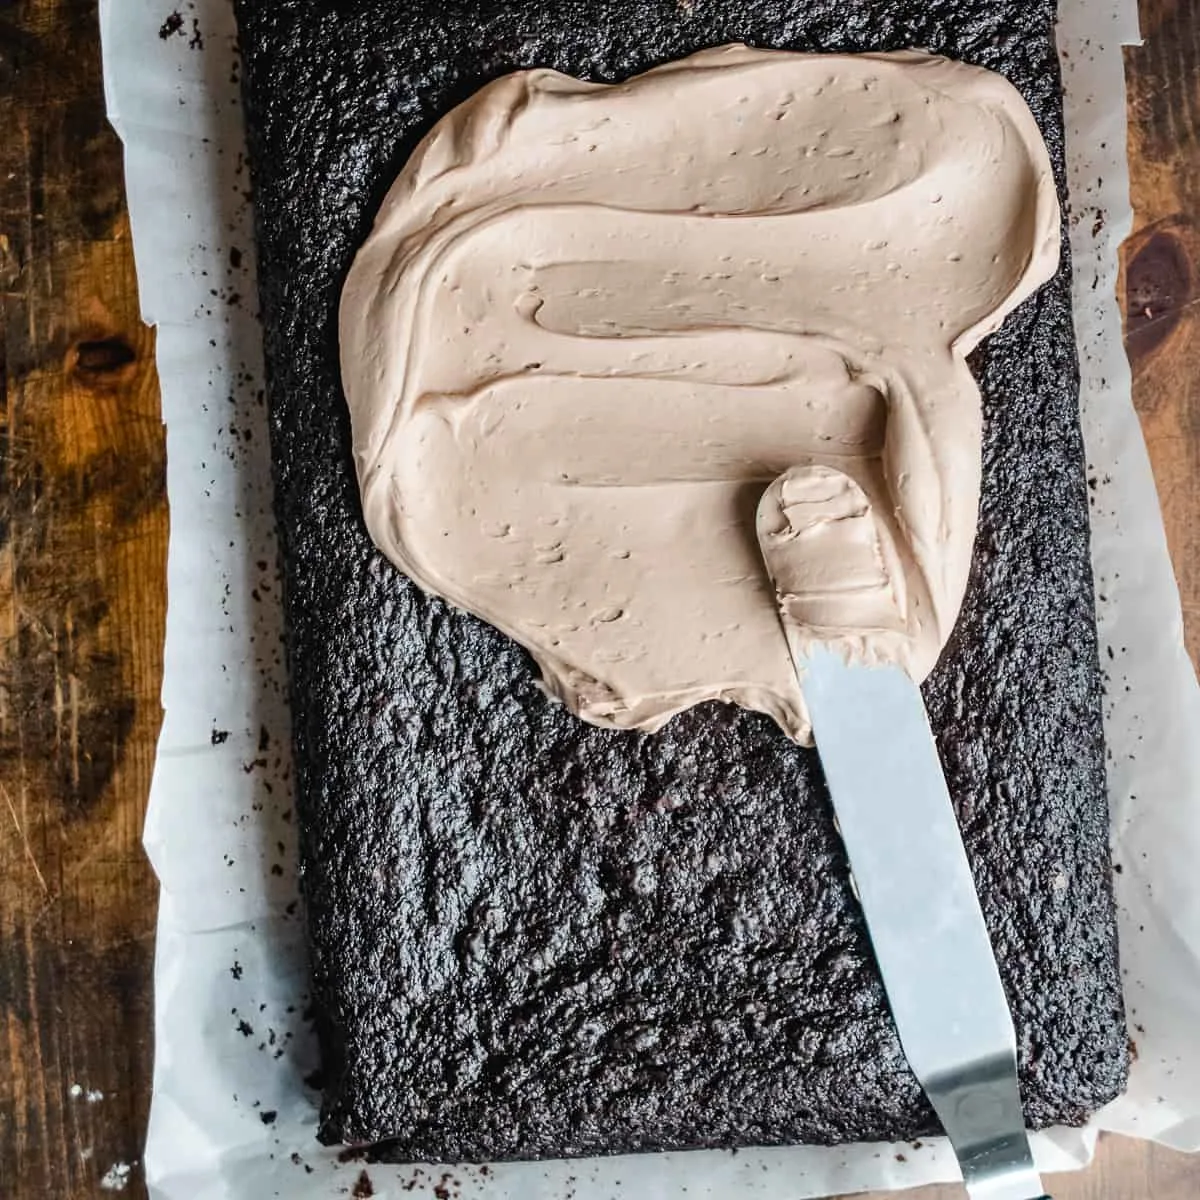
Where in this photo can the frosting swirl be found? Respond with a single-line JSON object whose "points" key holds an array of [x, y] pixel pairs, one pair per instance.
{"points": [[593, 322]]}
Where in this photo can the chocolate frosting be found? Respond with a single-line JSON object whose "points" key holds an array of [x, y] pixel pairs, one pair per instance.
{"points": [[593, 322]]}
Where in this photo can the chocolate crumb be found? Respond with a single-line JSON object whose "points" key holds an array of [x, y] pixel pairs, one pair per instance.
{"points": [[171, 26], [363, 1188]]}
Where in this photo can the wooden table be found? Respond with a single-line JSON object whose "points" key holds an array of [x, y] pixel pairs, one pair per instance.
{"points": [[83, 534]]}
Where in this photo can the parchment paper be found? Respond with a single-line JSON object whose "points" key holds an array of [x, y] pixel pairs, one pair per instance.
{"points": [[233, 1115]]}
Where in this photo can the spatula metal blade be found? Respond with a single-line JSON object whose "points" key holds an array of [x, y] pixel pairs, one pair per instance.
{"points": [[922, 912]]}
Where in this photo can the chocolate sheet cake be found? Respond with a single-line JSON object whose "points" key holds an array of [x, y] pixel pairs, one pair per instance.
{"points": [[532, 937]]}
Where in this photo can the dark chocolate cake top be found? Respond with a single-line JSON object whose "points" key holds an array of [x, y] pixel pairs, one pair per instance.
{"points": [[532, 937]]}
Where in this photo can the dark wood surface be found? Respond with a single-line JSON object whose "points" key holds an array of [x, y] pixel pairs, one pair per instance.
{"points": [[83, 528]]}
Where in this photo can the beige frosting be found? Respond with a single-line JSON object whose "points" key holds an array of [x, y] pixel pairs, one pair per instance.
{"points": [[837, 571], [593, 323]]}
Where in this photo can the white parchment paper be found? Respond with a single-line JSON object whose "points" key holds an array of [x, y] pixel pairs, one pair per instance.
{"points": [[233, 1110]]}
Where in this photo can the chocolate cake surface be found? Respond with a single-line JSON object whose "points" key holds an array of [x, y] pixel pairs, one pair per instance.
{"points": [[531, 937]]}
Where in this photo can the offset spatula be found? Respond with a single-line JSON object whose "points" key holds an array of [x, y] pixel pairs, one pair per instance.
{"points": [[914, 883]]}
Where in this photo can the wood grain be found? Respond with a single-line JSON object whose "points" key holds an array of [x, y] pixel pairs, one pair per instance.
{"points": [[83, 529], [1161, 275]]}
